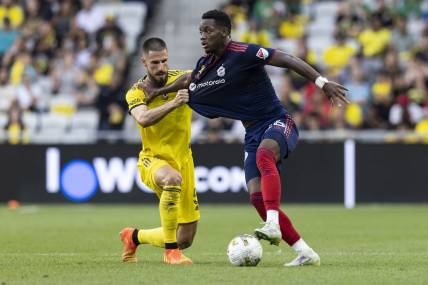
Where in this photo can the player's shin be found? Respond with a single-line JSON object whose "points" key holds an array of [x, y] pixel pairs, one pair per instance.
{"points": [[168, 208], [270, 183], [288, 232], [256, 199], [154, 237]]}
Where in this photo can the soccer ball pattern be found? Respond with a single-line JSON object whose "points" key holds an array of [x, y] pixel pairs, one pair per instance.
{"points": [[244, 250]]}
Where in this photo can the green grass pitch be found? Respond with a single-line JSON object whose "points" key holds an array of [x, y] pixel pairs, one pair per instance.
{"points": [[80, 245]]}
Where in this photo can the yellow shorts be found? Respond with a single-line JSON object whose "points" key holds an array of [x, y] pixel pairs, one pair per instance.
{"points": [[188, 208]]}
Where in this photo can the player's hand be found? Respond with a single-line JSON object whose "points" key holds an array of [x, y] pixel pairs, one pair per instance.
{"points": [[181, 98], [336, 93], [149, 91]]}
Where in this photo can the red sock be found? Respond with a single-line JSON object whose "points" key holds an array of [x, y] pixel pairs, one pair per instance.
{"points": [[271, 182], [289, 233], [256, 199]]}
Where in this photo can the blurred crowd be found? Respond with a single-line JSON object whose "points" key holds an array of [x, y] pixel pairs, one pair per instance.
{"points": [[62, 49], [378, 50], [70, 51]]}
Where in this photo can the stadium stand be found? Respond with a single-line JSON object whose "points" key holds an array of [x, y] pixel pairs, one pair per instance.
{"points": [[65, 65]]}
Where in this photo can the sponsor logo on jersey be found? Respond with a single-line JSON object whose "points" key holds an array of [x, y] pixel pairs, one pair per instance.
{"points": [[193, 86], [262, 53], [221, 71]]}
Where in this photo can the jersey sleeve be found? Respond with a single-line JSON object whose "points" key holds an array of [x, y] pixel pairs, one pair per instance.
{"points": [[256, 55], [175, 74], [135, 97]]}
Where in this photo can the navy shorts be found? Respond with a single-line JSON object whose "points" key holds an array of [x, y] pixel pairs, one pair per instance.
{"points": [[282, 130]]}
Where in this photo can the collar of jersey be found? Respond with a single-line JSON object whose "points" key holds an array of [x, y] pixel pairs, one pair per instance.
{"points": [[212, 61]]}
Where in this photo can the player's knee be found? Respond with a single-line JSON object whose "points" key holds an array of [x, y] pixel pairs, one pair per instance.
{"points": [[172, 179], [265, 160]]}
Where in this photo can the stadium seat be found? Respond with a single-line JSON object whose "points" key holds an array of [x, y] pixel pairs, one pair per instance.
{"points": [[320, 29], [6, 95], [3, 120], [85, 119], [130, 124], [325, 9], [62, 104], [31, 120], [47, 136], [54, 122], [80, 136], [286, 45]]}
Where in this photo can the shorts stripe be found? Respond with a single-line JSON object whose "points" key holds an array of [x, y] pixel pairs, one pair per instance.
{"points": [[288, 125]]}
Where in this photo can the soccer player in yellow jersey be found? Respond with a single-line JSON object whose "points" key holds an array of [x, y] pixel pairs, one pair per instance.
{"points": [[165, 161]]}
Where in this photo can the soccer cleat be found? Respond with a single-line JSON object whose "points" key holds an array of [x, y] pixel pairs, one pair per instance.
{"points": [[270, 232], [305, 257], [175, 256], [129, 247]]}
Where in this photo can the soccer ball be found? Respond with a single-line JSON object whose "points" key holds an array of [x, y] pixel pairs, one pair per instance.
{"points": [[244, 250]]}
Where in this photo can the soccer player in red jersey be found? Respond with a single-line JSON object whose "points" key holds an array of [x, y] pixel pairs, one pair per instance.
{"points": [[230, 81]]}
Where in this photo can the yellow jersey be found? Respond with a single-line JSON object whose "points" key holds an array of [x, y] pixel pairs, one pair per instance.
{"points": [[168, 139]]}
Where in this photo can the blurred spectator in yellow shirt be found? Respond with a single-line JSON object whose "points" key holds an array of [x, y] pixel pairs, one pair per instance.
{"points": [[22, 61], [421, 127], [255, 35], [375, 38], [8, 9], [338, 55], [16, 131], [292, 28]]}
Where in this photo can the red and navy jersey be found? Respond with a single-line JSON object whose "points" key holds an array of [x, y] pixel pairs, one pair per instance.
{"points": [[235, 85]]}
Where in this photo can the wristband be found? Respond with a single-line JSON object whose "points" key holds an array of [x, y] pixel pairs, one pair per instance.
{"points": [[320, 81]]}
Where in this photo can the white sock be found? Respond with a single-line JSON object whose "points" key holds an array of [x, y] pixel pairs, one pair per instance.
{"points": [[272, 216], [300, 245]]}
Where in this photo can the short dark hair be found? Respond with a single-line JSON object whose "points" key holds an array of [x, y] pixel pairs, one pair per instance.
{"points": [[153, 44], [220, 18]]}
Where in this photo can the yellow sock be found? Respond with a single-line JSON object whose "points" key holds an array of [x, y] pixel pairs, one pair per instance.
{"points": [[152, 236], [168, 209]]}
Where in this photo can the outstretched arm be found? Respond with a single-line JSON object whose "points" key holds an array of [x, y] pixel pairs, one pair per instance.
{"points": [[334, 91], [147, 117], [151, 92]]}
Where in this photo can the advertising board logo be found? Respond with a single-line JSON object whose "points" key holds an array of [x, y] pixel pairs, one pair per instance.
{"points": [[79, 180]]}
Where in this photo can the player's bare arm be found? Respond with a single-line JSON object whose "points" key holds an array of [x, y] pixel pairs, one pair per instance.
{"points": [[334, 91], [147, 117], [151, 92]]}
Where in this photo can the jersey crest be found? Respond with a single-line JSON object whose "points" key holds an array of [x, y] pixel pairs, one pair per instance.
{"points": [[262, 53], [221, 71]]}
